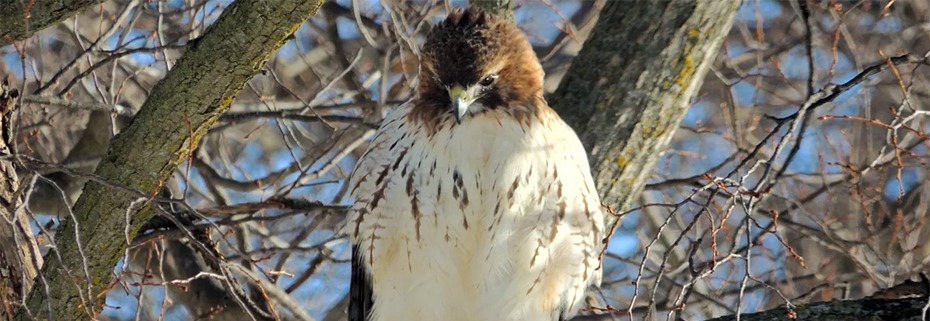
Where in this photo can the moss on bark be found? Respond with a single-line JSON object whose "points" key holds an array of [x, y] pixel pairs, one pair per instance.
{"points": [[630, 86]]}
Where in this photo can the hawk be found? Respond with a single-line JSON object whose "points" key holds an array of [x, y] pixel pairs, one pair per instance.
{"points": [[474, 200]]}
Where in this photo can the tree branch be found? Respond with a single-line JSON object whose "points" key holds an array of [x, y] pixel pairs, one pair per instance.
{"points": [[853, 310], [18, 23], [163, 134], [503, 8], [20, 258]]}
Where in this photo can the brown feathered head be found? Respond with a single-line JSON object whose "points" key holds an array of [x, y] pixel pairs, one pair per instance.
{"points": [[474, 61]]}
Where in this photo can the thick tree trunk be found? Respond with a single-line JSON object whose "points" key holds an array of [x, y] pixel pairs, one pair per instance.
{"points": [[631, 84], [626, 93], [168, 127], [628, 89]]}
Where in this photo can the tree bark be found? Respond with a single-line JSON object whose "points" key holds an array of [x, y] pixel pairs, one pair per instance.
{"points": [[166, 130], [630, 86], [625, 95], [20, 258], [853, 310], [17, 22]]}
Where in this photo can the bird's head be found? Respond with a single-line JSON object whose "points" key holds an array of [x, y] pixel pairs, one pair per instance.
{"points": [[474, 61]]}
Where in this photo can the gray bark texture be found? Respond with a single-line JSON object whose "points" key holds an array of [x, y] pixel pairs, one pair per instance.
{"points": [[19, 19], [628, 89], [168, 127], [853, 310], [630, 86], [626, 93], [20, 258]]}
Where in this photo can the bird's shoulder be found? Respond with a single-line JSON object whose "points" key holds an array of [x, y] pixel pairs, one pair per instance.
{"points": [[393, 134]]}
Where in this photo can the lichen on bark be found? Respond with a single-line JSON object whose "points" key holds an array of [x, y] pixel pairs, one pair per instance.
{"points": [[629, 87]]}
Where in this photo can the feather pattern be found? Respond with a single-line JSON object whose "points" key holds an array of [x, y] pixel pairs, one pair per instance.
{"points": [[495, 218]]}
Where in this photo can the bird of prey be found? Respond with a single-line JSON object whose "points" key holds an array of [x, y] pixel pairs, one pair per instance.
{"points": [[474, 200]]}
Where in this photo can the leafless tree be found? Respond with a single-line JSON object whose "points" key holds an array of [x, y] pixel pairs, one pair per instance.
{"points": [[186, 160]]}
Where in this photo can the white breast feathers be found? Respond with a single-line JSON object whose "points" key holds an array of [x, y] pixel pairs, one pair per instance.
{"points": [[492, 219]]}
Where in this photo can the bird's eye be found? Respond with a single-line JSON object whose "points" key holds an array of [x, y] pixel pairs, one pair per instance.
{"points": [[488, 81]]}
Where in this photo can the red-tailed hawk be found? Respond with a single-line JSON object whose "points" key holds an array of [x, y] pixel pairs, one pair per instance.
{"points": [[475, 200]]}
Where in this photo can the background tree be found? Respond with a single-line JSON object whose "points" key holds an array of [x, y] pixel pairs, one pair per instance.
{"points": [[793, 169]]}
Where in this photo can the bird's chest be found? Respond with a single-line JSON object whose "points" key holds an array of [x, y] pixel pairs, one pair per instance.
{"points": [[454, 198], [453, 216], [456, 190]]}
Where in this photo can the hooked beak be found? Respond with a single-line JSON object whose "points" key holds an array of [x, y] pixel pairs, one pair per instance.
{"points": [[460, 102]]}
